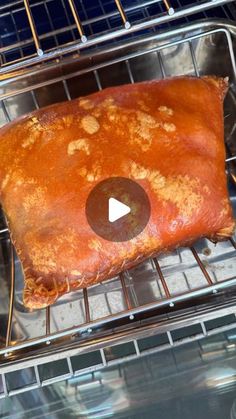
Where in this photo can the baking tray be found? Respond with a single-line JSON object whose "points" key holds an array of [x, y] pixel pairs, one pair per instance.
{"points": [[181, 288]]}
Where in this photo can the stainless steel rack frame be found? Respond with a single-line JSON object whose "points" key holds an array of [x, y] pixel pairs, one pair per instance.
{"points": [[189, 287], [28, 35], [201, 367]]}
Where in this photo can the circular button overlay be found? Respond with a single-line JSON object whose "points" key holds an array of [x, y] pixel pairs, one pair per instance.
{"points": [[118, 209]]}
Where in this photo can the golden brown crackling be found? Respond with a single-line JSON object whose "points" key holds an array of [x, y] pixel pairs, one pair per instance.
{"points": [[180, 190], [5, 181], [86, 104], [92, 174], [90, 124], [169, 127], [44, 253], [95, 244], [165, 110], [140, 125], [179, 159], [75, 272], [225, 232], [82, 144], [34, 199]]}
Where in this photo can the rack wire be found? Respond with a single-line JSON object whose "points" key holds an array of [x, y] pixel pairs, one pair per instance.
{"points": [[168, 299], [46, 29], [75, 365], [205, 273], [190, 365]]}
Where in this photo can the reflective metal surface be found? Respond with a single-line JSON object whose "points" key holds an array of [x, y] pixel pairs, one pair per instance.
{"points": [[45, 30], [195, 381], [185, 287]]}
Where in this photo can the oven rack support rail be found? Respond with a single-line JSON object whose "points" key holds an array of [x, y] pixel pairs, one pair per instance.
{"points": [[168, 301], [28, 43], [43, 372]]}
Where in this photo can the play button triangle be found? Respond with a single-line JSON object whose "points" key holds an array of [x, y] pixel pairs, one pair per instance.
{"points": [[116, 210]]}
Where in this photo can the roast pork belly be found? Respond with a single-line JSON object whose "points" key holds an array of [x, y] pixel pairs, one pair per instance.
{"points": [[166, 135]]}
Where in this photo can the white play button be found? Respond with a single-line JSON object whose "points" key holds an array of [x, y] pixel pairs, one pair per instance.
{"points": [[116, 210]]}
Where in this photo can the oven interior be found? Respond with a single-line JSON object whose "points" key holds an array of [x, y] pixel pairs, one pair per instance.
{"points": [[53, 51]]}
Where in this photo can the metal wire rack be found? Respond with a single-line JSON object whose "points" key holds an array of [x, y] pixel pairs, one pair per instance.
{"points": [[45, 29], [86, 364], [189, 286], [185, 369]]}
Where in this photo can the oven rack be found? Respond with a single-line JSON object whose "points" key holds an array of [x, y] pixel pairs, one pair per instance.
{"points": [[168, 301], [179, 368], [187, 370], [46, 29], [209, 297], [88, 361]]}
